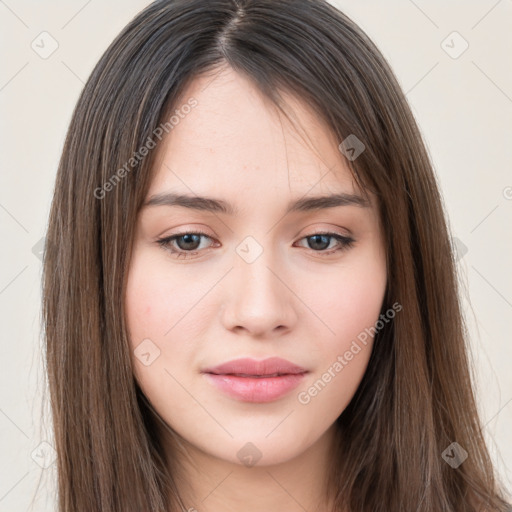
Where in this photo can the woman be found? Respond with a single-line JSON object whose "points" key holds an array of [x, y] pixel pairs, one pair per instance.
{"points": [[250, 296]]}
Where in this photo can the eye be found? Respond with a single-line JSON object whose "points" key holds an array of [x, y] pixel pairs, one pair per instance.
{"points": [[189, 243], [318, 242]]}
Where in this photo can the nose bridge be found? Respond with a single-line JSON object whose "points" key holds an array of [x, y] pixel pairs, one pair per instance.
{"points": [[259, 301], [255, 274]]}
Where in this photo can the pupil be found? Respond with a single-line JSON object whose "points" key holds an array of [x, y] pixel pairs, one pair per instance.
{"points": [[325, 240], [189, 239]]}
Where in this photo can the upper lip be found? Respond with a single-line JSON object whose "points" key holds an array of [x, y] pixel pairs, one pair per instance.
{"points": [[253, 367]]}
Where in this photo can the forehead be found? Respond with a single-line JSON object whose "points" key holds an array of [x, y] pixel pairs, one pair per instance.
{"points": [[236, 140]]}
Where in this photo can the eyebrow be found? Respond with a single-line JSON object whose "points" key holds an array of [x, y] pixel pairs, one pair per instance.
{"points": [[210, 204]]}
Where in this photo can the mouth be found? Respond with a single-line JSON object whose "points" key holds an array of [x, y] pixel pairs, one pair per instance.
{"points": [[252, 376], [249, 380], [247, 367]]}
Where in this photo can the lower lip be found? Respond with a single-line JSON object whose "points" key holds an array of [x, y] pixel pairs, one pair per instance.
{"points": [[253, 389]]}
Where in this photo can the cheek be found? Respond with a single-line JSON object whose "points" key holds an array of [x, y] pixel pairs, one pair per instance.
{"points": [[350, 301], [143, 301], [147, 303], [156, 301], [166, 309], [360, 304], [148, 306], [350, 306]]}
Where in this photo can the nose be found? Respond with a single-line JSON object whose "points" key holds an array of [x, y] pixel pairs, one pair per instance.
{"points": [[259, 298]]}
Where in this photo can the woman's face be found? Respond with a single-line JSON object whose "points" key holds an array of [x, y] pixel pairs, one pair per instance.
{"points": [[264, 280]]}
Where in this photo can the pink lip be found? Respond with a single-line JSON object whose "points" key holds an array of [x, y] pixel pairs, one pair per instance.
{"points": [[250, 380]]}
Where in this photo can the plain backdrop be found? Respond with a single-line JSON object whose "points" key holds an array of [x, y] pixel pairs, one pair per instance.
{"points": [[452, 59]]}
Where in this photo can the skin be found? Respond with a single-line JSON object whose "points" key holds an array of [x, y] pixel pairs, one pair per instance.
{"points": [[292, 301]]}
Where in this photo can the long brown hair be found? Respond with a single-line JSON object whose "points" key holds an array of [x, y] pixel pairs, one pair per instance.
{"points": [[416, 398]]}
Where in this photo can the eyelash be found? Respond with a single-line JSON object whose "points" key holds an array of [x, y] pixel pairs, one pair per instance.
{"points": [[345, 243]]}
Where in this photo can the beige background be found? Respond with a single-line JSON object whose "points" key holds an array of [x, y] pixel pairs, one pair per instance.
{"points": [[463, 106]]}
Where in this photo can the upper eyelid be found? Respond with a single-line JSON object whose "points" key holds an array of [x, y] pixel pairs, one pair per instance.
{"points": [[201, 233], [313, 231]]}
